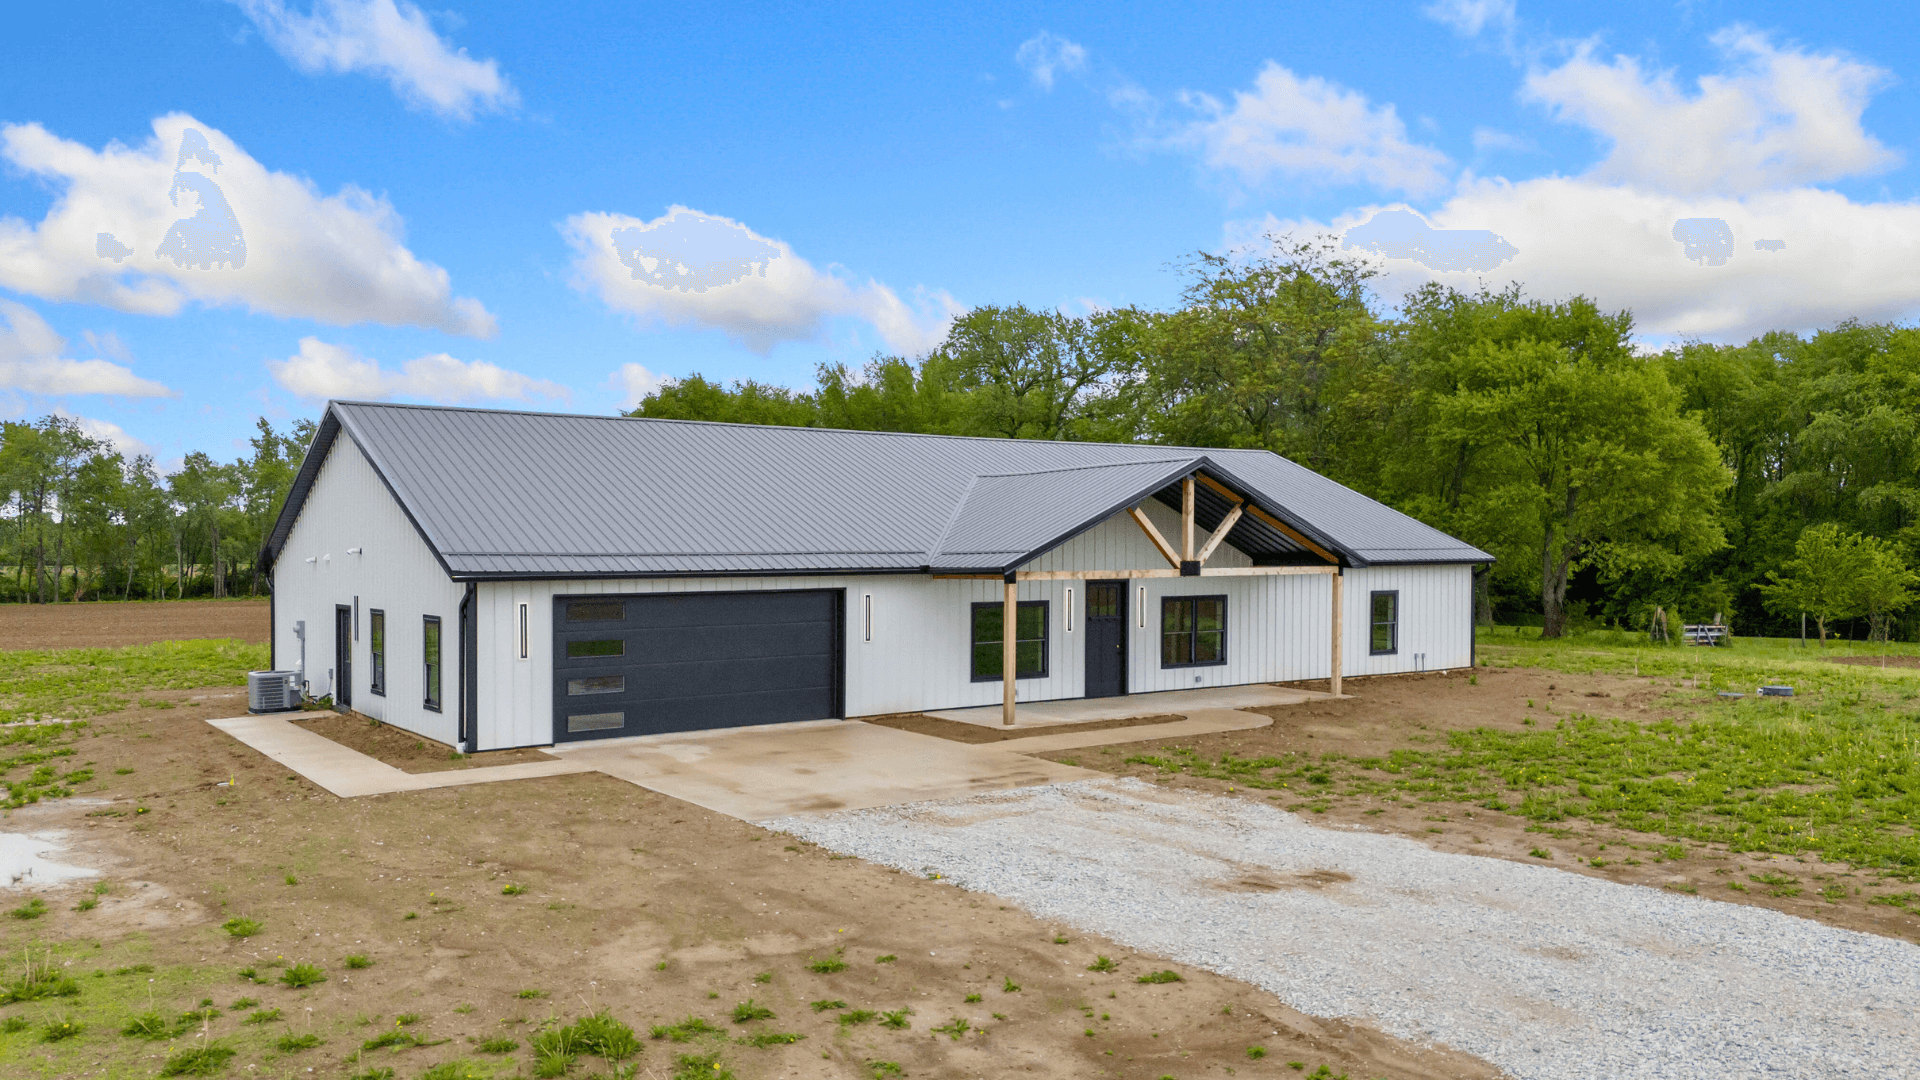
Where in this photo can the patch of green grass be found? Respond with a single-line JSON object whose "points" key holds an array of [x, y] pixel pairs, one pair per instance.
{"points": [[207, 1059], [770, 1038], [458, 1069], [1159, 977], [149, 1025], [359, 962], [38, 984], [15, 1024], [32, 909], [827, 1004], [897, 1019], [302, 975], [750, 1010], [1101, 963], [499, 1045], [77, 683], [685, 1031], [264, 1016], [241, 927], [376, 1073], [700, 1067], [289, 1044]]}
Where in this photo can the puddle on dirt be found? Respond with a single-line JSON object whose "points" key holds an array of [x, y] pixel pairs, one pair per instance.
{"points": [[24, 862]]}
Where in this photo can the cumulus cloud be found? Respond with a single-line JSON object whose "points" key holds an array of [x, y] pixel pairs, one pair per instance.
{"points": [[1044, 55], [1312, 129], [686, 268], [189, 217], [634, 382], [1469, 17], [1780, 117], [321, 370], [32, 361], [108, 432], [389, 40]]}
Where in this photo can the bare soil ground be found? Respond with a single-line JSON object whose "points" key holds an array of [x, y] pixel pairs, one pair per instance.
{"points": [[106, 624], [634, 902], [403, 749], [1415, 711], [1878, 661]]}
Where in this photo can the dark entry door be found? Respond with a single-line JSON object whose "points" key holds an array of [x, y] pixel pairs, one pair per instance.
{"points": [[342, 657], [653, 663], [1106, 638]]}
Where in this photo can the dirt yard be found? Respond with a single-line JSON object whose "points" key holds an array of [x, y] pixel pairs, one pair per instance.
{"points": [[652, 908], [68, 626], [1410, 711]]}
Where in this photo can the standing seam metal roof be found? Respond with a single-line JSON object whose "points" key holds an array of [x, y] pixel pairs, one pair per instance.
{"points": [[519, 494]]}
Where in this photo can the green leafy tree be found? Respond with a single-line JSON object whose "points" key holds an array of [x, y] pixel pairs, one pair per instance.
{"points": [[1884, 586], [1822, 578]]}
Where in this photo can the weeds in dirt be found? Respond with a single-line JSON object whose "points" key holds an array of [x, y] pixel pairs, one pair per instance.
{"points": [[883, 1069], [1540, 853], [149, 1025], [685, 1031], [887, 959], [499, 1045], [38, 984], [750, 1010], [856, 1016], [87, 903], [244, 1003], [302, 975], [897, 1019], [954, 1028], [1101, 963], [1158, 977], [827, 1004], [1060, 939], [458, 1069], [264, 1016], [359, 962], [828, 965], [764, 977], [32, 909], [512, 890], [406, 1020], [770, 1038], [971, 998], [397, 1038], [700, 1067], [241, 927], [376, 1073], [1009, 986], [529, 995], [199, 1014], [15, 1024], [207, 1059], [289, 1044]]}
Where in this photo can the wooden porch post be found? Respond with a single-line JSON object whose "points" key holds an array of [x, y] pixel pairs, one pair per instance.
{"points": [[1009, 631], [1338, 579], [1186, 520]]}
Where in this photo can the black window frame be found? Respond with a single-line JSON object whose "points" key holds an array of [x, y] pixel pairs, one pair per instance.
{"points": [[377, 651], [432, 667], [1045, 639], [1374, 623], [1194, 633]]}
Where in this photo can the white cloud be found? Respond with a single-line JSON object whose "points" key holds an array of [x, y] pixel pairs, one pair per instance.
{"points": [[1615, 244], [124, 233], [634, 383], [31, 362], [1469, 17], [686, 268], [1486, 138], [108, 432], [387, 39], [320, 371], [1044, 55], [1782, 117], [1311, 129]]}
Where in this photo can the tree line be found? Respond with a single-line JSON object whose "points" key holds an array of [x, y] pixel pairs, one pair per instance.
{"points": [[83, 521], [1610, 482]]}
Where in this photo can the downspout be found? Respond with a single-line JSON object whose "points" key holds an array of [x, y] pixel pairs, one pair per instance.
{"points": [[273, 606], [469, 662]]}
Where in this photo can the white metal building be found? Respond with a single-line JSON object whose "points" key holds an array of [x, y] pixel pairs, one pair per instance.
{"points": [[496, 579]]}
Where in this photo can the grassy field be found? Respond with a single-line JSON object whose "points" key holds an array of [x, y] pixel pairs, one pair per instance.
{"points": [[1832, 770], [72, 684]]}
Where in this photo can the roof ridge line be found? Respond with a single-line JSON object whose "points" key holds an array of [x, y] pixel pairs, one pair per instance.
{"points": [[1085, 468], [953, 515]]}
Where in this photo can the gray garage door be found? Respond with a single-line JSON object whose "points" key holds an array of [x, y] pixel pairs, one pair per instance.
{"points": [[652, 663]]}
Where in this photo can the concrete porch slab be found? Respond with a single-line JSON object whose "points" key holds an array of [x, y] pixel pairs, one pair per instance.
{"points": [[1197, 722], [1085, 710], [766, 772]]}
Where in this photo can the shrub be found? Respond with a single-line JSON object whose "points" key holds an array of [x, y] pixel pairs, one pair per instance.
{"points": [[302, 975], [241, 927]]}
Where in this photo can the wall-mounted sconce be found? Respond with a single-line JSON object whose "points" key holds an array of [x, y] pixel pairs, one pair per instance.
{"points": [[353, 551], [311, 559]]}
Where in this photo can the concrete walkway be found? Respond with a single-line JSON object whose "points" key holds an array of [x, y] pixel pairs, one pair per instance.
{"points": [[349, 773], [1084, 710], [1197, 722]]}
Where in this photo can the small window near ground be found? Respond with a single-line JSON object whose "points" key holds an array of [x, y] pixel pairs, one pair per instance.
{"points": [[1386, 624], [1029, 643], [578, 649], [377, 646], [430, 642], [595, 610], [1193, 631]]}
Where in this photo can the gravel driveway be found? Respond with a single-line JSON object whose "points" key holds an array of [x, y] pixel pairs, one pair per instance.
{"points": [[1546, 974]]}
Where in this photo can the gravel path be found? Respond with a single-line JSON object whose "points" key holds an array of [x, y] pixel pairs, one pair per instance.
{"points": [[1546, 974]]}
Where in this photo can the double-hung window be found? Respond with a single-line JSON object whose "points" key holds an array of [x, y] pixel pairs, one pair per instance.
{"points": [[430, 642], [1193, 631], [1029, 643], [377, 650], [1385, 629]]}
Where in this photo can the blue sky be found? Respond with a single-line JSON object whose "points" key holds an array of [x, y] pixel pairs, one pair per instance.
{"points": [[478, 204]]}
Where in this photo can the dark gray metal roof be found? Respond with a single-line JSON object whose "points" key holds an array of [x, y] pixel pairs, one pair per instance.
{"points": [[502, 494]]}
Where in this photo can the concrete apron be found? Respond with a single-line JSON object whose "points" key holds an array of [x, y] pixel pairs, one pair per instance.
{"points": [[751, 773], [1184, 702]]}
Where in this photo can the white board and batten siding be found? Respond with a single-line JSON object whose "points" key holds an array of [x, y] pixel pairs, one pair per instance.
{"points": [[1436, 609], [395, 572]]}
